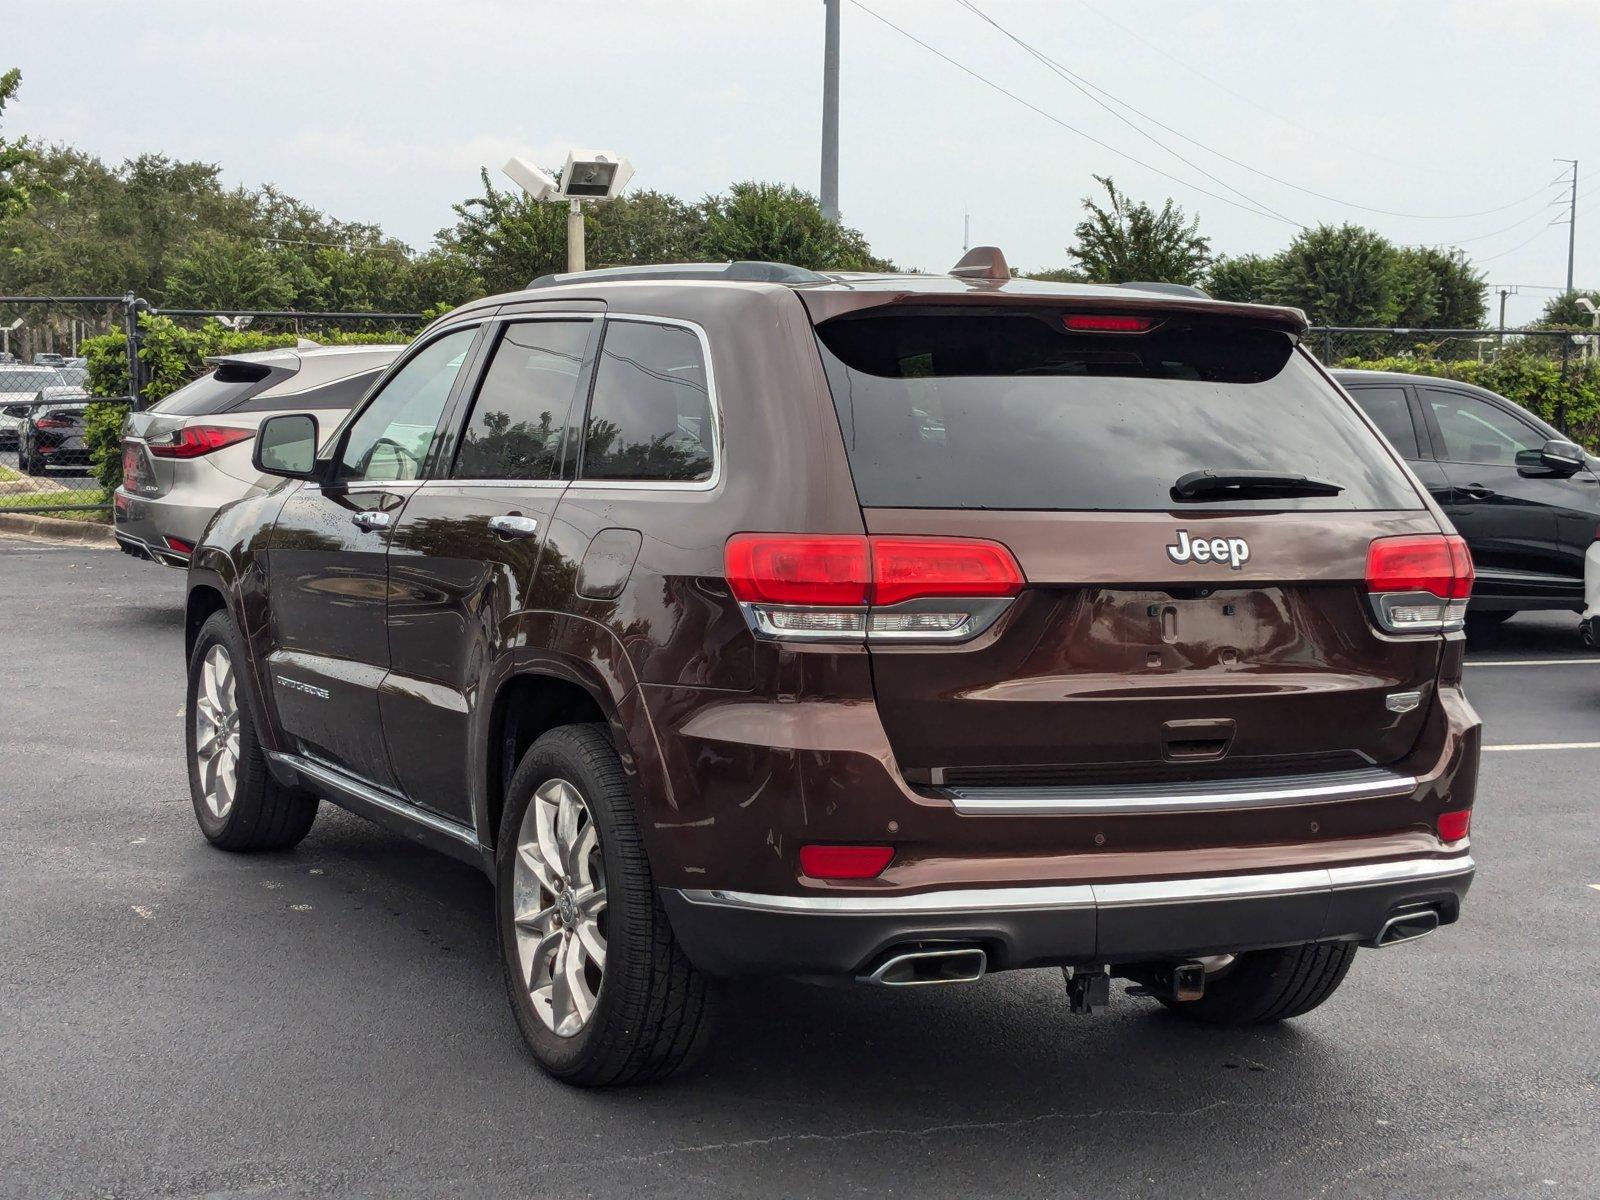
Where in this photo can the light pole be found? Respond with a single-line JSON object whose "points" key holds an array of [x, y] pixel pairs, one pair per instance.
{"points": [[1593, 310], [587, 175], [830, 111]]}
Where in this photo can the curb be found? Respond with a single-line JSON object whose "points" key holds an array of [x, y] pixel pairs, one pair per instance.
{"points": [[54, 529]]}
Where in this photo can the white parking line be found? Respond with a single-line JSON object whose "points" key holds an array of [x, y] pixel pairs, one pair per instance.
{"points": [[1595, 886], [1535, 662], [1546, 746]]}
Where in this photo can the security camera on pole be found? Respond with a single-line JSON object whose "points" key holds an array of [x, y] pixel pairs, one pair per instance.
{"points": [[587, 175]]}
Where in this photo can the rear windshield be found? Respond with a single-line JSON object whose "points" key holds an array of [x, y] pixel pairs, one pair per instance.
{"points": [[216, 392], [1009, 410]]}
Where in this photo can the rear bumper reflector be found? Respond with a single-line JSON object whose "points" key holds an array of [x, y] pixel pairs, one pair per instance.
{"points": [[1208, 796]]}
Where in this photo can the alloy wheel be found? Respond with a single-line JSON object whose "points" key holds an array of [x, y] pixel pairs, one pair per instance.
{"points": [[559, 907], [216, 731]]}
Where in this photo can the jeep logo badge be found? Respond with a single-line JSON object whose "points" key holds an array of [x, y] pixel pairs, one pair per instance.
{"points": [[1233, 551]]}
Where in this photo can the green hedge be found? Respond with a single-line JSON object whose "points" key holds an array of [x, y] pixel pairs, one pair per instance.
{"points": [[1570, 401], [172, 355]]}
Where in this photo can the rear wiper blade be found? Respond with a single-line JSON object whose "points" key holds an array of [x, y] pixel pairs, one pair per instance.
{"points": [[1249, 485]]}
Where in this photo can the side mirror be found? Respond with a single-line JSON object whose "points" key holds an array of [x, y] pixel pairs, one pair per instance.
{"points": [[287, 445], [1555, 457]]}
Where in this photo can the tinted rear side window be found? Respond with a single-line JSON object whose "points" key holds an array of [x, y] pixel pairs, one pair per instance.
{"points": [[1390, 412], [650, 414], [216, 392], [1008, 410]]}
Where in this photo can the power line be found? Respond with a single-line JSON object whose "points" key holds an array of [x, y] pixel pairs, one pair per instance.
{"points": [[1081, 84], [1259, 107], [1049, 116], [1518, 246]]}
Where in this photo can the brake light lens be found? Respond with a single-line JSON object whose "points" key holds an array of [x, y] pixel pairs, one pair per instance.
{"points": [[192, 441], [52, 423], [1107, 323], [804, 587], [844, 862], [1420, 584], [1453, 826], [798, 569], [909, 568], [178, 544]]}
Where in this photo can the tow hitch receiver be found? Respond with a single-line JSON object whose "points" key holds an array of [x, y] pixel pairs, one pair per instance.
{"points": [[1180, 981], [1088, 988]]}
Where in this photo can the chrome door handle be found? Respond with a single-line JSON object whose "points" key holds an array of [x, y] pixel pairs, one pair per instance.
{"points": [[513, 526], [372, 519]]}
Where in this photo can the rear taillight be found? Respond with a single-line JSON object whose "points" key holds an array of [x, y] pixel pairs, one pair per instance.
{"points": [[1420, 584], [805, 587], [844, 862], [52, 423], [178, 544], [191, 441]]}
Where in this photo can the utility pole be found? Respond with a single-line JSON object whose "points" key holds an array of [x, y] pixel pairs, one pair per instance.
{"points": [[830, 111], [1572, 221], [966, 231]]}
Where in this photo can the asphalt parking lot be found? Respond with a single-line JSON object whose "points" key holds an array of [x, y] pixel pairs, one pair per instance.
{"points": [[179, 1021]]}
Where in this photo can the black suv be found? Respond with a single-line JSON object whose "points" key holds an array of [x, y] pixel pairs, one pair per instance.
{"points": [[741, 619], [1526, 498]]}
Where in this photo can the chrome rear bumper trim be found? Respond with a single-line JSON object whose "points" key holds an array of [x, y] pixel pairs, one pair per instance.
{"points": [[1098, 895], [1211, 795]]}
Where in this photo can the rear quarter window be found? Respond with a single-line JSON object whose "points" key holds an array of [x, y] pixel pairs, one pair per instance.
{"points": [[1009, 410], [216, 392]]}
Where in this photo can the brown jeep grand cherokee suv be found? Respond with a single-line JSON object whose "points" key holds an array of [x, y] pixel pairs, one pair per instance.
{"points": [[743, 619]]}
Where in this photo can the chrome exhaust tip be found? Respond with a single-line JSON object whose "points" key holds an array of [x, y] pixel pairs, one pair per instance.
{"points": [[1406, 927], [919, 968]]}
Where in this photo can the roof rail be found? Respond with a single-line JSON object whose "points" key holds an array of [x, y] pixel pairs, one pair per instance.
{"points": [[1170, 289], [736, 272]]}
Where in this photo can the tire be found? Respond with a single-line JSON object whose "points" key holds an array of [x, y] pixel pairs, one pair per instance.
{"points": [[1266, 986], [648, 1007], [258, 812], [34, 464], [1589, 632]]}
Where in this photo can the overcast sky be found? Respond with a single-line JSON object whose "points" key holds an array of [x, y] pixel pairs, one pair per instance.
{"points": [[385, 111]]}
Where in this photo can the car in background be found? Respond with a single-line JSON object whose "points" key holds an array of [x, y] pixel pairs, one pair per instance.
{"points": [[19, 388], [74, 372], [1523, 494], [189, 454], [49, 358], [51, 435]]}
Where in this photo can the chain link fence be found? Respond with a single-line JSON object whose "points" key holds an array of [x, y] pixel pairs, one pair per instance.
{"points": [[46, 465], [1338, 345]]}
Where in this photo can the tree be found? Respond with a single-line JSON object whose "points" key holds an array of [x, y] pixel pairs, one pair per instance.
{"points": [[1245, 278], [775, 222], [1057, 275], [1340, 275], [1564, 309], [1437, 289], [223, 272], [14, 156], [1129, 242]]}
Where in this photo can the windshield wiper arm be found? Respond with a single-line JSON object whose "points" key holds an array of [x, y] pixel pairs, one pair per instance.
{"points": [[1249, 485]]}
